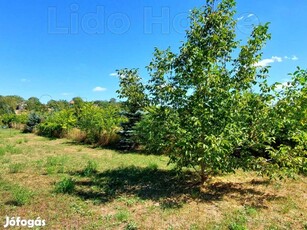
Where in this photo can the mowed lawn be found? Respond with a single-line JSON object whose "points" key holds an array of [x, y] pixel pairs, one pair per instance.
{"points": [[75, 186]]}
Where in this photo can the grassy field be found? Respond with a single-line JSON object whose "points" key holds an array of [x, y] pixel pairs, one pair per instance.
{"points": [[78, 187]]}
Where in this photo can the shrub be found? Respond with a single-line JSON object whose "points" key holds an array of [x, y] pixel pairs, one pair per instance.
{"points": [[100, 124], [14, 120], [58, 124], [85, 123], [33, 120]]}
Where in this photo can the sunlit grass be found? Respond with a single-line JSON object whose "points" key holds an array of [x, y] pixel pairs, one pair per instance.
{"points": [[80, 187]]}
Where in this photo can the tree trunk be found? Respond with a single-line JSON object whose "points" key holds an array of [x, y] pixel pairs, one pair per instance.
{"points": [[203, 175]]}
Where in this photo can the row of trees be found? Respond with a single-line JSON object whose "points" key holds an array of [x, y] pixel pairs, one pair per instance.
{"points": [[210, 107], [91, 122], [11, 104]]}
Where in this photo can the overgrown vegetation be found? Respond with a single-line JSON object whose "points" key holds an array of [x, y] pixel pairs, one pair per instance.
{"points": [[95, 123]]}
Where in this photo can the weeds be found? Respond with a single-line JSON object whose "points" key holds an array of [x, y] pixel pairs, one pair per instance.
{"points": [[66, 185], [56, 164], [9, 149], [122, 216], [22, 140], [152, 166], [21, 196], [131, 226], [16, 168], [129, 201], [90, 168], [2, 151]]}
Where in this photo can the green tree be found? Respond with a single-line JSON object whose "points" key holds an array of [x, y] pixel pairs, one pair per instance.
{"points": [[8, 104], [57, 105], [202, 98], [33, 121], [34, 104], [290, 124], [133, 90], [203, 93]]}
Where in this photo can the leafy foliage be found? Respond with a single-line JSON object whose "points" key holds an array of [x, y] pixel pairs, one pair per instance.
{"points": [[58, 123], [33, 120], [8, 104], [10, 119], [33, 104], [57, 105], [100, 125], [203, 110], [132, 89], [290, 116]]}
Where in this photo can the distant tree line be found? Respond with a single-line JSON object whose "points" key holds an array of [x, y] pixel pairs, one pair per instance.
{"points": [[96, 122]]}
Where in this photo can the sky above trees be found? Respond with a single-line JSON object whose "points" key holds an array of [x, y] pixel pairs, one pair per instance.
{"points": [[59, 50]]}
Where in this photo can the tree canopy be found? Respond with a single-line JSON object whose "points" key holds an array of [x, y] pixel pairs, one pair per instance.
{"points": [[209, 106]]}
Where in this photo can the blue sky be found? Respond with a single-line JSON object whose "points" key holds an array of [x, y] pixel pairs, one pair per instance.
{"points": [[63, 49]]}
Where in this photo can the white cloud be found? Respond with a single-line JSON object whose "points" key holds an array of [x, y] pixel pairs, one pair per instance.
{"points": [[99, 89], [113, 74], [294, 58], [276, 59], [282, 85], [250, 15], [266, 62]]}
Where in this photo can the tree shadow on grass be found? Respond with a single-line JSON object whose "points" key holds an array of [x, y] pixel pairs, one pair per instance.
{"points": [[113, 147], [164, 187]]}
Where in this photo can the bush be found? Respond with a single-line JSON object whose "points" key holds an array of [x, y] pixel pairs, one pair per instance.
{"points": [[100, 124], [33, 120], [84, 123], [58, 124], [14, 120], [150, 134]]}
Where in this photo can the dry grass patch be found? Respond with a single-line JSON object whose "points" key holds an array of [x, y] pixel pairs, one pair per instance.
{"points": [[113, 190]]}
